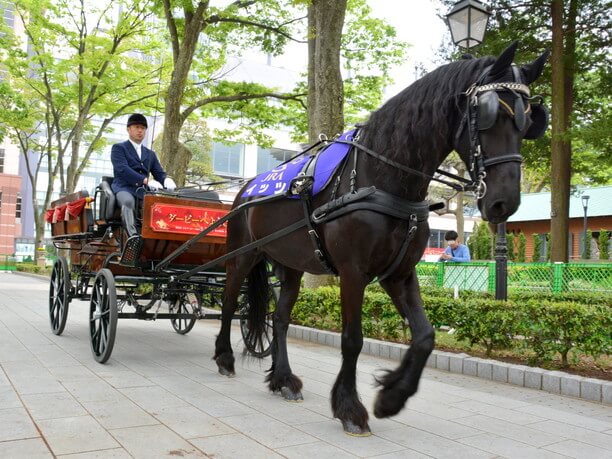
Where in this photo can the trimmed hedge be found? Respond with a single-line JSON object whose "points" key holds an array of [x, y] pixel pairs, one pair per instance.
{"points": [[541, 325], [32, 268]]}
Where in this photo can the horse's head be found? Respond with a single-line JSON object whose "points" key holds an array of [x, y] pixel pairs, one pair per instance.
{"points": [[499, 114]]}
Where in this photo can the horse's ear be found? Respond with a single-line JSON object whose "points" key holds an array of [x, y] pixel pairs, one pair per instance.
{"points": [[532, 71], [503, 62]]}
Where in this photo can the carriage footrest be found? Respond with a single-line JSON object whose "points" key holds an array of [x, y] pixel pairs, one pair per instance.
{"points": [[131, 251]]}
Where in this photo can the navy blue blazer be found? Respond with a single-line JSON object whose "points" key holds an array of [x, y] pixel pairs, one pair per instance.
{"points": [[130, 171]]}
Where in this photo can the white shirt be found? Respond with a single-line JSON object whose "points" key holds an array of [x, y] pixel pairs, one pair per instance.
{"points": [[138, 148]]}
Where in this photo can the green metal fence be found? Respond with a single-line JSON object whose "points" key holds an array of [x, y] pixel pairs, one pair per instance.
{"points": [[550, 277]]}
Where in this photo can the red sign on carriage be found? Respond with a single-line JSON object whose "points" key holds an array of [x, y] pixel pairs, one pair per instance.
{"points": [[170, 218]]}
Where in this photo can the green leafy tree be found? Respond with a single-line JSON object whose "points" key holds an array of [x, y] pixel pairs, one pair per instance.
{"points": [[587, 244], [472, 242], [74, 68], [578, 85], [481, 242], [522, 247], [195, 137], [510, 246], [201, 37], [603, 242], [537, 248]]}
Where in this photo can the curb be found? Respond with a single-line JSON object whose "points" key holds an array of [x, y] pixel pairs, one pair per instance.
{"points": [[555, 382]]}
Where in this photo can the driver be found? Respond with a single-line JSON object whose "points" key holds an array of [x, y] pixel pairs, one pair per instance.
{"points": [[132, 163]]}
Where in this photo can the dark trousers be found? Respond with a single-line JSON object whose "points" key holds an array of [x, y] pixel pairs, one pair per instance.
{"points": [[127, 202]]}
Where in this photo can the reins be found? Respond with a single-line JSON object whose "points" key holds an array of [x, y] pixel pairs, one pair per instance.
{"points": [[456, 186]]}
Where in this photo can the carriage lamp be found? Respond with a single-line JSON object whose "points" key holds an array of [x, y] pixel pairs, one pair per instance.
{"points": [[467, 21], [585, 206]]}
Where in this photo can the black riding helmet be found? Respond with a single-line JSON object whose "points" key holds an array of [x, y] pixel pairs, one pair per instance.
{"points": [[137, 118]]}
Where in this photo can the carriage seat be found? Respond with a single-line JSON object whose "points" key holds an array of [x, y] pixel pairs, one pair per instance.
{"points": [[108, 209]]}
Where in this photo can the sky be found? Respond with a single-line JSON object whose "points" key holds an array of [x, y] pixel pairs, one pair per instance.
{"points": [[415, 22]]}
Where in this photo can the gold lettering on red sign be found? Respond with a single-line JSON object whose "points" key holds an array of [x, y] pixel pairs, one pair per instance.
{"points": [[186, 219]]}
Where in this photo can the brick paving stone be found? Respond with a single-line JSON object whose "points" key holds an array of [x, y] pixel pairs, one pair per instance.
{"points": [[16, 425], [75, 435], [160, 395], [33, 448]]}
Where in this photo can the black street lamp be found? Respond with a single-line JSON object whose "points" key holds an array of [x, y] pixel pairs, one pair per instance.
{"points": [[585, 206], [467, 21]]}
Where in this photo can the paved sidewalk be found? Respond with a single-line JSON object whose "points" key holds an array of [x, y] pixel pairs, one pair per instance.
{"points": [[161, 396]]}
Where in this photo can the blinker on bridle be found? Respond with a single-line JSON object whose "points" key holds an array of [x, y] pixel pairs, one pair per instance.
{"points": [[483, 105]]}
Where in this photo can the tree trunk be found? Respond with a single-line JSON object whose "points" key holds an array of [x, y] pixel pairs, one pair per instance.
{"points": [[173, 158], [325, 86], [560, 148], [459, 216]]}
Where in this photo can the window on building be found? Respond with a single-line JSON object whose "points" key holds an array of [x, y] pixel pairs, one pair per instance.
{"points": [[1, 160], [18, 207], [436, 239], [0, 199], [269, 158], [228, 159], [7, 13]]}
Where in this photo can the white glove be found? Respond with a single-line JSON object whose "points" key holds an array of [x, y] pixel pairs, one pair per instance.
{"points": [[154, 185], [169, 184]]}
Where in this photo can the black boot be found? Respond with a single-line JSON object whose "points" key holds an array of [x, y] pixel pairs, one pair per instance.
{"points": [[134, 243]]}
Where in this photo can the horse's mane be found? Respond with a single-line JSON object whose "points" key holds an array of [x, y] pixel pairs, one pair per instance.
{"points": [[417, 125]]}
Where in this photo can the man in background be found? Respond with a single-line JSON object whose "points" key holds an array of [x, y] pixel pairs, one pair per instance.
{"points": [[455, 251]]}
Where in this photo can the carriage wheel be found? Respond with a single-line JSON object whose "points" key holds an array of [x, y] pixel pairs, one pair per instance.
{"points": [[59, 295], [259, 347], [185, 304], [103, 315]]}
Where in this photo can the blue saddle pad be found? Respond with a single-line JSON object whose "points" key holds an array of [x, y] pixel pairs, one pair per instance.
{"points": [[277, 180]]}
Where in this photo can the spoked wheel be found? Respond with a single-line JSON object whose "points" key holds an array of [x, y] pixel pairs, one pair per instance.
{"points": [[185, 303], [258, 346], [103, 315], [59, 295]]}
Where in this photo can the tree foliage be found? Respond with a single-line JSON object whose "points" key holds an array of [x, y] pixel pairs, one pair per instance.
{"points": [[578, 85], [74, 61], [530, 23], [202, 37]]}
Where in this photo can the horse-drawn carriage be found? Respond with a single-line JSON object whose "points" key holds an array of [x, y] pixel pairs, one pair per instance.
{"points": [[88, 230], [356, 209]]}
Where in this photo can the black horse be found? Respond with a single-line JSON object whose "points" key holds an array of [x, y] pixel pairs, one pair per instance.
{"points": [[479, 107]]}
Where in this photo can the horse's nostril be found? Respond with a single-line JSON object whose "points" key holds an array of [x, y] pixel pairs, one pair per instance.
{"points": [[498, 208]]}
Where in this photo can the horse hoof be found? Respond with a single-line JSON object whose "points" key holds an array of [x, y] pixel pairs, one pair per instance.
{"points": [[226, 372], [352, 429], [291, 396], [386, 405]]}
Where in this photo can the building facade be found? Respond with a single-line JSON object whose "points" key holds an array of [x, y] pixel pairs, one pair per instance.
{"points": [[533, 219]]}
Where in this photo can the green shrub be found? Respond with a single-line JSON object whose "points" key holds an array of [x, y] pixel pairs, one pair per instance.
{"points": [[603, 242], [488, 322], [543, 324], [550, 328], [537, 248], [510, 246], [522, 247], [587, 246]]}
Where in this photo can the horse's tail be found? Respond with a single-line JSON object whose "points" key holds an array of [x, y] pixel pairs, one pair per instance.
{"points": [[258, 295]]}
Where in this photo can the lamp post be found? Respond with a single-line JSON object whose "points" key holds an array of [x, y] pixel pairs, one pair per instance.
{"points": [[585, 206], [467, 21]]}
